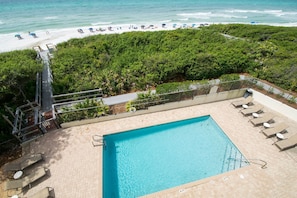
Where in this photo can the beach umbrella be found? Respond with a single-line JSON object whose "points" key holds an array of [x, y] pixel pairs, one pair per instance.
{"points": [[18, 36]]}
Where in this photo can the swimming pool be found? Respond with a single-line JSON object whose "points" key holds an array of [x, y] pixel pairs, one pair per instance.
{"points": [[151, 159]]}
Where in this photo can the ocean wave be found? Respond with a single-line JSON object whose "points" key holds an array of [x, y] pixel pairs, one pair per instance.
{"points": [[290, 14], [184, 19], [166, 21], [50, 17], [221, 15], [242, 11], [1, 22], [240, 17], [272, 11], [208, 15], [195, 14], [275, 12], [101, 23], [198, 15]]}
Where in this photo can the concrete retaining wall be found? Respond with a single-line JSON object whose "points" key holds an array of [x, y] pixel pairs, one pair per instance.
{"points": [[275, 105]]}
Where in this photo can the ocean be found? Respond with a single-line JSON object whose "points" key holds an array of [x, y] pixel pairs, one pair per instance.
{"points": [[18, 16]]}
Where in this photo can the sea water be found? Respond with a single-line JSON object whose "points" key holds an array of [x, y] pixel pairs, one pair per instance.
{"points": [[33, 15], [147, 160]]}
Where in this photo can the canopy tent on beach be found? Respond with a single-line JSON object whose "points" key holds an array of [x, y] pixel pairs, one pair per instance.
{"points": [[33, 34], [18, 36]]}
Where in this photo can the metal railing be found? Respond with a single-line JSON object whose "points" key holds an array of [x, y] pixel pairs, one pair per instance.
{"points": [[152, 100]]}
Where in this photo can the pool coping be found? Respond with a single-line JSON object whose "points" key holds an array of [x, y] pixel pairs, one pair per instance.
{"points": [[185, 187]]}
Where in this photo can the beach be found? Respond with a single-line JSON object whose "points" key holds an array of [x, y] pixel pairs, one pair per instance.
{"points": [[10, 42], [41, 38], [55, 21]]}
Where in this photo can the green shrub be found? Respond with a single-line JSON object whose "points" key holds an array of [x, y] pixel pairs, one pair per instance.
{"points": [[89, 108]]}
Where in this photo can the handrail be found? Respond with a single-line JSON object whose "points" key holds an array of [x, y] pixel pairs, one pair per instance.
{"points": [[81, 92]]}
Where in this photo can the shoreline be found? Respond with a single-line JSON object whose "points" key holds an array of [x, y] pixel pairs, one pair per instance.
{"points": [[10, 41], [29, 40]]}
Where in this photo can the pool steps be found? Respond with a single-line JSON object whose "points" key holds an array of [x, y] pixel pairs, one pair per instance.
{"points": [[233, 159]]}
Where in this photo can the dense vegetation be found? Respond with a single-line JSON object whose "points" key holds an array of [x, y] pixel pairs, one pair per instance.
{"points": [[17, 83], [277, 50], [119, 63], [89, 108]]}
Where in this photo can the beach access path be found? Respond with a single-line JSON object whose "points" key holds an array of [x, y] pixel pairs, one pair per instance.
{"points": [[46, 89]]}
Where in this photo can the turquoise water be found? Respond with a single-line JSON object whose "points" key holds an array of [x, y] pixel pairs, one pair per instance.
{"points": [[147, 160], [34, 15]]}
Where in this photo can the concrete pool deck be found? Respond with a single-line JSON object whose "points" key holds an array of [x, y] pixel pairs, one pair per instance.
{"points": [[75, 165]]}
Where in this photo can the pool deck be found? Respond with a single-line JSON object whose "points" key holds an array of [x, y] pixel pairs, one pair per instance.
{"points": [[75, 166]]}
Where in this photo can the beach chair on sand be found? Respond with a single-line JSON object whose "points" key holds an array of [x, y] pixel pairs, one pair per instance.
{"points": [[265, 118], [43, 193], [80, 31], [23, 162], [287, 143], [244, 101], [274, 130], [25, 181], [253, 109]]}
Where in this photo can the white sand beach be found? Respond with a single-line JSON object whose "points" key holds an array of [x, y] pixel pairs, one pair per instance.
{"points": [[10, 42]]}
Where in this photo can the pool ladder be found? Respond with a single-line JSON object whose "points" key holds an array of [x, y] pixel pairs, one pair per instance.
{"points": [[98, 140]]}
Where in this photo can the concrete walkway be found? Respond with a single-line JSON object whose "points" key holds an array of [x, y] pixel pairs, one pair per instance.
{"points": [[119, 99]]}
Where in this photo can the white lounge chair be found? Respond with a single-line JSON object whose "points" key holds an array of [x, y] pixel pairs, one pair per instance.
{"points": [[25, 181], [43, 193], [23, 162], [287, 143], [265, 118], [253, 109], [244, 101], [269, 132]]}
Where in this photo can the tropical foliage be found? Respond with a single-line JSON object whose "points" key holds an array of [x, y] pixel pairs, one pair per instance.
{"points": [[141, 60], [18, 75], [120, 63], [18, 71], [89, 108], [276, 52], [143, 101]]}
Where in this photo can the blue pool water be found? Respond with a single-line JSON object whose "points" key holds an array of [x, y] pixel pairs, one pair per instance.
{"points": [[147, 160]]}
